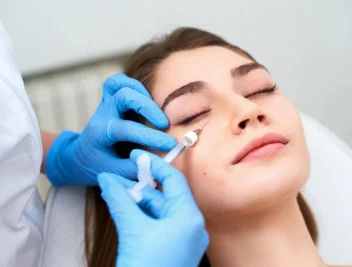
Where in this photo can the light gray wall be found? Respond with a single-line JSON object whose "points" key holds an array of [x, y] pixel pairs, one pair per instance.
{"points": [[305, 44]]}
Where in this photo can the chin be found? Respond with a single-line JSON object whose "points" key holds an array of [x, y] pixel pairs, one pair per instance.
{"points": [[256, 187]]}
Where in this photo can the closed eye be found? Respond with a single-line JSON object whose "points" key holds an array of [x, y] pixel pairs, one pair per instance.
{"points": [[266, 90], [194, 118]]}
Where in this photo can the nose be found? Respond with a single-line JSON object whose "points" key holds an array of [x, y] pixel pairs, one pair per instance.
{"points": [[249, 115]]}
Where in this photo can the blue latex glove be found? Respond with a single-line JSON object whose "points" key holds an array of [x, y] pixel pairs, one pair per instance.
{"points": [[78, 158], [173, 233]]}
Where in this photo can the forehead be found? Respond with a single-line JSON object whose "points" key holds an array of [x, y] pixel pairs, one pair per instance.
{"points": [[211, 64]]}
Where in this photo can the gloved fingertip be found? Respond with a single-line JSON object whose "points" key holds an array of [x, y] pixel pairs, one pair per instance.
{"points": [[171, 143], [103, 180], [164, 142], [162, 122], [135, 154], [111, 188]]}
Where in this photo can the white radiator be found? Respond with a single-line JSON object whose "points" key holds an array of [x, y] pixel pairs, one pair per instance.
{"points": [[67, 99]]}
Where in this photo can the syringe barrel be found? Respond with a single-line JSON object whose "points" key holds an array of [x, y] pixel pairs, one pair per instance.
{"points": [[188, 140], [176, 151]]}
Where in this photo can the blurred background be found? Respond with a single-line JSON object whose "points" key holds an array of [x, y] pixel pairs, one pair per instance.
{"points": [[66, 49]]}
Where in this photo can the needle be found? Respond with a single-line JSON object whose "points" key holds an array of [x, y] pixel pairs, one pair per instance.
{"points": [[198, 131]]}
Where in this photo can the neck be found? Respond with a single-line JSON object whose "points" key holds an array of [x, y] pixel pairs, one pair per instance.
{"points": [[276, 238]]}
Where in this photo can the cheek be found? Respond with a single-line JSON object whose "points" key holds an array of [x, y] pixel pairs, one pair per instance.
{"points": [[191, 163], [287, 119], [285, 115], [198, 166], [206, 175]]}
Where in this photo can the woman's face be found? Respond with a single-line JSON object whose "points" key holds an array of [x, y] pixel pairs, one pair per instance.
{"points": [[221, 87]]}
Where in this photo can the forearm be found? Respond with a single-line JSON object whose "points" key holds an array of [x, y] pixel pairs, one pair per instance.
{"points": [[47, 140]]}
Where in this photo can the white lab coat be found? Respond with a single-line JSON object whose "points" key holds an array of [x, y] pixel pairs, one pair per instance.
{"points": [[21, 209]]}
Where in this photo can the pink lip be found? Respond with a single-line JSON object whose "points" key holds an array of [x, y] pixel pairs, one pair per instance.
{"points": [[264, 146]]}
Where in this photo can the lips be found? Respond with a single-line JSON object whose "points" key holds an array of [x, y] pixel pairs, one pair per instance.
{"points": [[261, 147]]}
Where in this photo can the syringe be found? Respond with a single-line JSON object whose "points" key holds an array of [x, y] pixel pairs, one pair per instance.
{"points": [[144, 175], [189, 139]]}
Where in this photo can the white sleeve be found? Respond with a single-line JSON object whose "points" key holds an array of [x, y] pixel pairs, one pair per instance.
{"points": [[21, 210]]}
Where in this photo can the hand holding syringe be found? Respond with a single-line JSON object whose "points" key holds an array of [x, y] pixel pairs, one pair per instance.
{"points": [[167, 221], [144, 176]]}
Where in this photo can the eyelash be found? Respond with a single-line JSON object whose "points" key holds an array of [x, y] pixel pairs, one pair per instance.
{"points": [[191, 118], [266, 90]]}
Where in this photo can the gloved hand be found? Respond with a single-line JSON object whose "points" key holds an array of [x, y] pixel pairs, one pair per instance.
{"points": [[77, 158], [172, 235]]}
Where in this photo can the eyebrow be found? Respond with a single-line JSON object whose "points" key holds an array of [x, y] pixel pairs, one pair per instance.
{"points": [[189, 88], [197, 86], [243, 70]]}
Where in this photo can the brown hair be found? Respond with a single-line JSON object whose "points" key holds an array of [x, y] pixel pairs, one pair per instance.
{"points": [[100, 232]]}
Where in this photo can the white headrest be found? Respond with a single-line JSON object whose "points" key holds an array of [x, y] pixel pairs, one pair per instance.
{"points": [[329, 191]]}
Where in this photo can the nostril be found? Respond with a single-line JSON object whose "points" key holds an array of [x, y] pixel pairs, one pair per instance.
{"points": [[261, 118], [243, 124]]}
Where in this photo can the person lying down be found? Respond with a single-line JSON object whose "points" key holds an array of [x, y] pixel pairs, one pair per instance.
{"points": [[248, 166]]}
